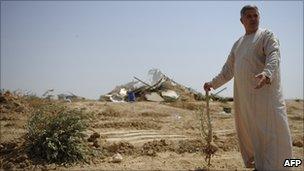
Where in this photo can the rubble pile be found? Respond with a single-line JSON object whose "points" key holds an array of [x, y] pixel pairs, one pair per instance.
{"points": [[159, 88]]}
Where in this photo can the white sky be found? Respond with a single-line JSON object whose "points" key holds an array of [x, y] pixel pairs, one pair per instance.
{"points": [[90, 47]]}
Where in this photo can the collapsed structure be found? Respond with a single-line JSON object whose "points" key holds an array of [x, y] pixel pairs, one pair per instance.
{"points": [[158, 88]]}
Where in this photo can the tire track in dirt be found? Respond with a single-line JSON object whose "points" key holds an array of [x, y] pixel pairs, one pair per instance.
{"points": [[138, 137]]}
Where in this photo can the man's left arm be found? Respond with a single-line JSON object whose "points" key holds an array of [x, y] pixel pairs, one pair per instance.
{"points": [[271, 49]]}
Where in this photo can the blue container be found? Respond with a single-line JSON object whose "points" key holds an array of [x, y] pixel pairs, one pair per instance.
{"points": [[131, 96]]}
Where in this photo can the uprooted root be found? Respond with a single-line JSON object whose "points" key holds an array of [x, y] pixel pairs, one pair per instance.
{"points": [[206, 132], [210, 150]]}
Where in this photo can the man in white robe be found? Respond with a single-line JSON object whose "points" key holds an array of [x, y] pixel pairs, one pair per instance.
{"points": [[260, 110]]}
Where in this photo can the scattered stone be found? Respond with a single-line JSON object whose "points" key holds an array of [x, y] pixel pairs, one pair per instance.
{"points": [[227, 109], [297, 143], [96, 144], [117, 158], [51, 167], [151, 153], [121, 148], [93, 137]]}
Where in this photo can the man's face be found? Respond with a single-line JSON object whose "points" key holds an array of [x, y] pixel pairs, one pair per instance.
{"points": [[250, 20]]}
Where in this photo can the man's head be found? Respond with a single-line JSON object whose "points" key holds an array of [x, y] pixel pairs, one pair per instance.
{"points": [[250, 17]]}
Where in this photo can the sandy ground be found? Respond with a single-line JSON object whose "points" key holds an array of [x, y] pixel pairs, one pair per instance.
{"points": [[156, 136]]}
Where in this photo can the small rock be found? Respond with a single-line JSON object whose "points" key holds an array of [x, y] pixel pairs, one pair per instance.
{"points": [[51, 167], [117, 158], [93, 137], [227, 109], [163, 142], [297, 143], [151, 152], [96, 144]]}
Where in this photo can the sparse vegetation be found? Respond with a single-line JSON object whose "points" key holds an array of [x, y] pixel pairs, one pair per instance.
{"points": [[55, 134], [143, 133]]}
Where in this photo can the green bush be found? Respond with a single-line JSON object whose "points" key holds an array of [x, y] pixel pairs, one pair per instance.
{"points": [[55, 134]]}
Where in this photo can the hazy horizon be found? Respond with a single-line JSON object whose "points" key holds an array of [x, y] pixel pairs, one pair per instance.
{"points": [[89, 48]]}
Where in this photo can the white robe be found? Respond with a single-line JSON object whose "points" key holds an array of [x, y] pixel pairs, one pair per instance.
{"points": [[260, 114]]}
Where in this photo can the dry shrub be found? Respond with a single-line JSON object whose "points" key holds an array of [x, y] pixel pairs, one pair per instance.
{"points": [[55, 134]]}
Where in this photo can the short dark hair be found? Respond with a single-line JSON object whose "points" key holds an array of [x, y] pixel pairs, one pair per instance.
{"points": [[248, 7]]}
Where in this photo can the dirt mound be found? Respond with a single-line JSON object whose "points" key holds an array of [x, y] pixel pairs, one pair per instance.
{"points": [[11, 103], [14, 111], [120, 147], [93, 137], [128, 124], [228, 144], [152, 147], [186, 105], [13, 155], [298, 141], [154, 114], [148, 135], [190, 146], [183, 146]]}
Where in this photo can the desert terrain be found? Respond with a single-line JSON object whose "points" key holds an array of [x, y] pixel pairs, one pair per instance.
{"points": [[147, 135]]}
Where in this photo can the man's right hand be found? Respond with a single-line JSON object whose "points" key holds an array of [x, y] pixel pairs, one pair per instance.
{"points": [[207, 86]]}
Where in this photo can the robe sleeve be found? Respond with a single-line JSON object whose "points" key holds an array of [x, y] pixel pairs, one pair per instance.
{"points": [[226, 73], [271, 50]]}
